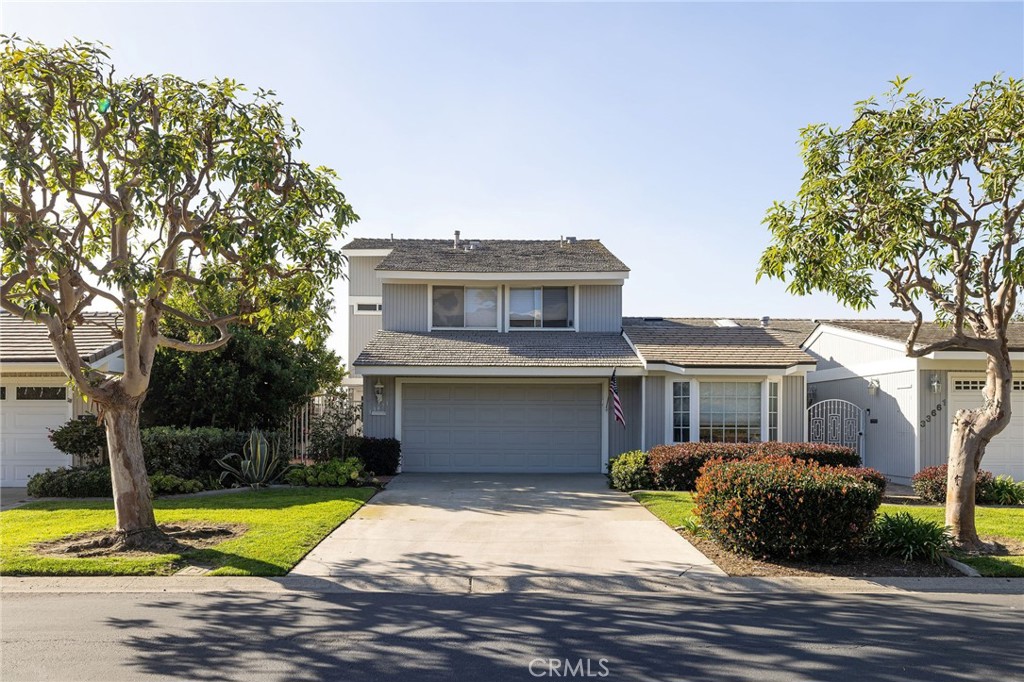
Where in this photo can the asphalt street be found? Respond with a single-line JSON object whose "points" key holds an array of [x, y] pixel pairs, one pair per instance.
{"points": [[303, 635]]}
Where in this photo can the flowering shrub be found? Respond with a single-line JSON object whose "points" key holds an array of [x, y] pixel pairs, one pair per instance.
{"points": [[676, 467], [930, 484], [629, 471], [872, 476], [777, 507]]}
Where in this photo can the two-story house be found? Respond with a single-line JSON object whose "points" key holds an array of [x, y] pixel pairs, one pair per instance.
{"points": [[496, 356]]}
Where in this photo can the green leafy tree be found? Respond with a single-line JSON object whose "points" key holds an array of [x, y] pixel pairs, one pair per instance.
{"points": [[117, 190], [259, 376], [924, 195]]}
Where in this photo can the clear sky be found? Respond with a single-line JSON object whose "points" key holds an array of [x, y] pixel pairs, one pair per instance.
{"points": [[665, 130]]}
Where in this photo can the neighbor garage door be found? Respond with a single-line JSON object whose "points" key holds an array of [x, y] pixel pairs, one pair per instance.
{"points": [[1005, 454], [501, 427], [27, 413]]}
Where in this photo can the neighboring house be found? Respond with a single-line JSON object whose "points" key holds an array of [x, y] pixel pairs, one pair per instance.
{"points": [[908, 403], [34, 392], [496, 356]]}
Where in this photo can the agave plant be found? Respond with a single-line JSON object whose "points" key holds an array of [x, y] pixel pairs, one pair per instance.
{"points": [[259, 465]]}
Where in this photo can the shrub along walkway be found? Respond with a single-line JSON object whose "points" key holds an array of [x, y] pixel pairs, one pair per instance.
{"points": [[1006, 523], [280, 526]]}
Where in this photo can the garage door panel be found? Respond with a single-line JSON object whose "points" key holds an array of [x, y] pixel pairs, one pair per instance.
{"points": [[25, 447], [502, 427], [1004, 455]]}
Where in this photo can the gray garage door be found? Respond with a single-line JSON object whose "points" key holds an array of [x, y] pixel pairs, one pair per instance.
{"points": [[501, 427]]}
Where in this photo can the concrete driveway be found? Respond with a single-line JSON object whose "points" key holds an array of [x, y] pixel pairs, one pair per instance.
{"points": [[436, 527]]}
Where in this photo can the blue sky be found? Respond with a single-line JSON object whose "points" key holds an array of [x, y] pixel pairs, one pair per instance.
{"points": [[665, 130]]}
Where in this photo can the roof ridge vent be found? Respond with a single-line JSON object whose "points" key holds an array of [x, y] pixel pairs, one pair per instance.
{"points": [[726, 322]]}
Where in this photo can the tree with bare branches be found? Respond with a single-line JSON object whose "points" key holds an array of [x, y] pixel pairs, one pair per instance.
{"points": [[116, 192], [926, 196]]}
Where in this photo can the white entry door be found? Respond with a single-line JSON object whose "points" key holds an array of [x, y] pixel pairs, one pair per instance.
{"points": [[1005, 454], [27, 413]]}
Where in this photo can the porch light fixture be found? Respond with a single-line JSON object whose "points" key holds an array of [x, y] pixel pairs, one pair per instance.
{"points": [[812, 393], [935, 383], [378, 393], [873, 387]]}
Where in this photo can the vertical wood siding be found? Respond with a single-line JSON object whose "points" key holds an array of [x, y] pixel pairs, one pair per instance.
{"points": [[935, 428], [379, 425], [828, 347], [405, 307], [600, 308], [655, 422], [625, 439], [793, 404], [888, 443], [361, 328], [362, 278]]}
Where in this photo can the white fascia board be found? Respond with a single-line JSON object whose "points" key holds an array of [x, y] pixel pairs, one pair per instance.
{"points": [[8, 368], [401, 276], [802, 368], [967, 355], [845, 333], [541, 372], [864, 369], [365, 299], [366, 253]]}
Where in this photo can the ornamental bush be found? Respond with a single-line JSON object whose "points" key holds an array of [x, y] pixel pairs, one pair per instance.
{"points": [[1004, 490], [630, 471], [676, 467], [332, 473], [189, 453], [169, 484], [380, 456], [84, 481], [872, 476], [909, 538], [930, 485], [80, 437], [783, 508]]}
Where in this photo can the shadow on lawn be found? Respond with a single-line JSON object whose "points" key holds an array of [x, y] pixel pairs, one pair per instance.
{"points": [[333, 636]]}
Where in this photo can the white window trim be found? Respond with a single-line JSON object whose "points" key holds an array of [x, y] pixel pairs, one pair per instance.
{"points": [[575, 308], [695, 403], [356, 301], [765, 427], [430, 308]]}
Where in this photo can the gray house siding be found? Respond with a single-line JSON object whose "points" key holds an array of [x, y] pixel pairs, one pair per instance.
{"points": [[655, 418], [362, 279], [405, 307], [934, 427], [361, 329], [793, 404], [827, 347], [625, 439], [889, 419], [379, 425], [600, 308]]}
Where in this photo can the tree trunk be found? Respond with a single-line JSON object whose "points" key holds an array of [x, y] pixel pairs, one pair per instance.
{"points": [[133, 501], [972, 431]]}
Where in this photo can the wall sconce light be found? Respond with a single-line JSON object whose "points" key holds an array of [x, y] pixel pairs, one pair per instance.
{"points": [[873, 387], [935, 383], [378, 393], [812, 393]]}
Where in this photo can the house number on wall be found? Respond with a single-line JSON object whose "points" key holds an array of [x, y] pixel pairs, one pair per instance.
{"points": [[935, 412]]}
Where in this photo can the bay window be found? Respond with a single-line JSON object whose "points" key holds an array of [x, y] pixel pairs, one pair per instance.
{"points": [[464, 307], [730, 411], [541, 307]]}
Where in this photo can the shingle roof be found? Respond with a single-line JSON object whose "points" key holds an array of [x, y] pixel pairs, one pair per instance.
{"points": [[27, 341], [700, 342], [495, 349], [899, 330], [493, 255]]}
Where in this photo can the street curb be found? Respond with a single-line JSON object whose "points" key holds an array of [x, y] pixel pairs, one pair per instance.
{"points": [[969, 571]]}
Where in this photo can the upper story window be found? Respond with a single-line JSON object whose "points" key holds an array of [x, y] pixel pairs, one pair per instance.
{"points": [[465, 308], [536, 307]]}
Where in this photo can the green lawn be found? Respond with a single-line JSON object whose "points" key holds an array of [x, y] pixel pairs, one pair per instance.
{"points": [[283, 525], [1007, 522]]}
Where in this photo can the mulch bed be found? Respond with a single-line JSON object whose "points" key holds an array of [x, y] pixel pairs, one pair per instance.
{"points": [[183, 537], [875, 567]]}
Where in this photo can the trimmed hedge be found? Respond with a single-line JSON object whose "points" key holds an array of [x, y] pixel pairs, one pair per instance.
{"points": [[676, 467], [86, 481], [872, 476], [189, 453], [381, 456], [630, 471], [782, 508], [930, 484]]}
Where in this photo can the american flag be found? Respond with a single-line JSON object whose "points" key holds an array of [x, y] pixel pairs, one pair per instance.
{"points": [[613, 389]]}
